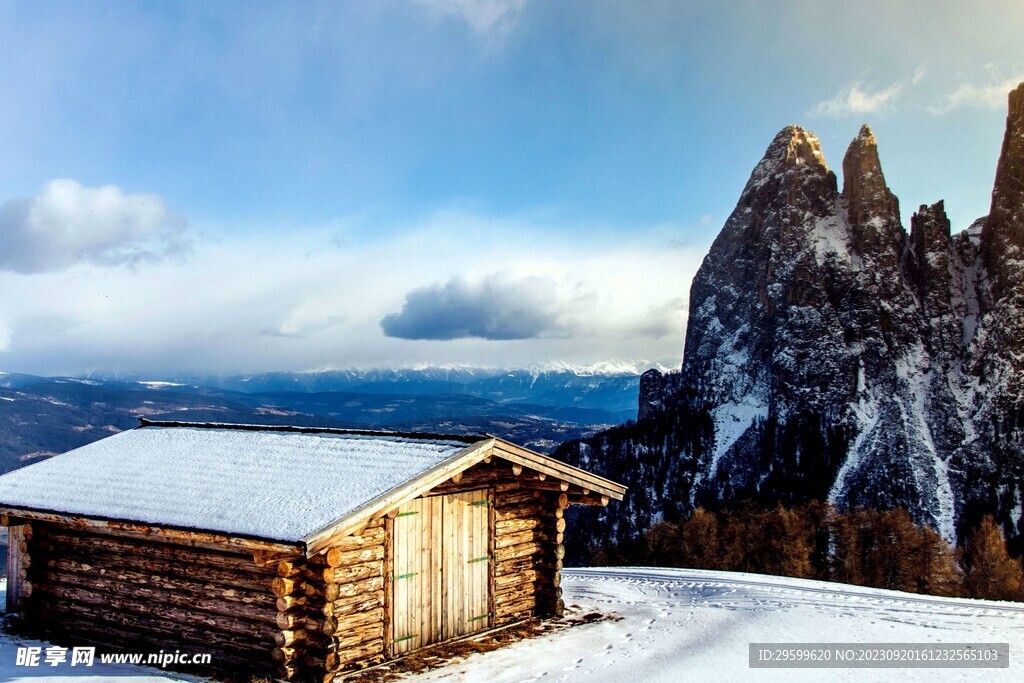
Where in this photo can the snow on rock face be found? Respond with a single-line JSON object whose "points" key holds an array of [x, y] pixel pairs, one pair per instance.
{"points": [[829, 354], [806, 323]]}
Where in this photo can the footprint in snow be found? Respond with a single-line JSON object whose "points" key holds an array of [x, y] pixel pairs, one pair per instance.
{"points": [[575, 665]]}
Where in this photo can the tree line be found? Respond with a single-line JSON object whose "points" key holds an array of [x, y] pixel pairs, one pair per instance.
{"points": [[861, 546]]}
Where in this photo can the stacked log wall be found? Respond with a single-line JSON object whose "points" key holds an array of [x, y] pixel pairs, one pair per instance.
{"points": [[145, 596], [350, 580]]}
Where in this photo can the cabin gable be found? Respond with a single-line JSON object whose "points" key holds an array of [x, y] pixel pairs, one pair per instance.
{"points": [[367, 593]]}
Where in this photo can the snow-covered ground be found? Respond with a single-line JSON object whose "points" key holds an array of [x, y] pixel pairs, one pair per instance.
{"points": [[691, 625]]}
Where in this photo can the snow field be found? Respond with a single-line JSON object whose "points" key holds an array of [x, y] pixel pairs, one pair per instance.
{"points": [[694, 625], [686, 625]]}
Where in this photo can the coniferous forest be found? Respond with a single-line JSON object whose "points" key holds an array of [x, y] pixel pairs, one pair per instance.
{"points": [[860, 546]]}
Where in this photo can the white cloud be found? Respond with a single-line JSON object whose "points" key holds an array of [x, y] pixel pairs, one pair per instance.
{"points": [[67, 223], [266, 304], [854, 99], [493, 19], [306, 319], [990, 96]]}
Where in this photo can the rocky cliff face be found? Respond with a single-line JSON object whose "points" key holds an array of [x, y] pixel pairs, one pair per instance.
{"points": [[831, 355]]}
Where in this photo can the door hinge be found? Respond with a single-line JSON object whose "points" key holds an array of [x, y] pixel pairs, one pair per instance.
{"points": [[405, 576], [485, 558], [479, 617], [404, 638], [479, 502], [406, 514]]}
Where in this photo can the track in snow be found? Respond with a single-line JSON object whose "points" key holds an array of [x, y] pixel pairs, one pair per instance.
{"points": [[694, 625]]}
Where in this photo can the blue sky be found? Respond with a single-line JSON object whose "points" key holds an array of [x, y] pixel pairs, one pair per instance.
{"points": [[264, 184]]}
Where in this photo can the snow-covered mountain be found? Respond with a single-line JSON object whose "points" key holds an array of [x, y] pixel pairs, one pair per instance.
{"points": [[538, 407], [610, 386], [831, 355]]}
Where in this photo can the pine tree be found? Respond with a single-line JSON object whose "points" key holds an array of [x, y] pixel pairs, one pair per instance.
{"points": [[989, 571], [780, 543], [846, 564], [663, 545], [889, 562], [742, 535], [797, 547], [818, 518], [698, 542], [936, 571]]}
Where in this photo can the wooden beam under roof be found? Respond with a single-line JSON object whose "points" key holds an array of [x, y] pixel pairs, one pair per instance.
{"points": [[210, 540], [557, 469]]}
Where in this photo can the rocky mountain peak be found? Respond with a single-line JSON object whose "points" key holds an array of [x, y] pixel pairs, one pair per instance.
{"points": [[863, 181], [792, 150], [652, 390], [929, 272], [831, 356], [801, 147], [874, 211], [1003, 236]]}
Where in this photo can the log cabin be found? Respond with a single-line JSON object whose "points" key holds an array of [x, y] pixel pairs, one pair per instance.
{"points": [[297, 553]]}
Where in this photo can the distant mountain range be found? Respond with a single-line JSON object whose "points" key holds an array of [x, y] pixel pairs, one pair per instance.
{"points": [[538, 407], [608, 386]]}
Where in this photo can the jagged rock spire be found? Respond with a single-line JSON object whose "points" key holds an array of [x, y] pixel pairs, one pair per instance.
{"points": [[792, 148], [864, 185], [1003, 235], [930, 276], [874, 211], [792, 175], [929, 229], [817, 366], [652, 389]]}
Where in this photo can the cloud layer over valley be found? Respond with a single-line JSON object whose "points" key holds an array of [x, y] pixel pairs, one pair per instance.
{"points": [[434, 292]]}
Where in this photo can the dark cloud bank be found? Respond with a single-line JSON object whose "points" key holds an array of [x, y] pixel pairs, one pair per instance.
{"points": [[496, 307]]}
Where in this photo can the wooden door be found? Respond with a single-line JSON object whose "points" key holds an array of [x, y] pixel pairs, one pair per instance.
{"points": [[417, 574], [467, 558], [441, 569]]}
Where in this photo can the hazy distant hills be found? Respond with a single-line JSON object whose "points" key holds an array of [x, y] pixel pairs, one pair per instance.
{"points": [[608, 387], [41, 416]]}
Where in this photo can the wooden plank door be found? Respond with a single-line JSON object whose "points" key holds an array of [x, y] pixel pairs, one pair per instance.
{"points": [[466, 564], [441, 569], [417, 575]]}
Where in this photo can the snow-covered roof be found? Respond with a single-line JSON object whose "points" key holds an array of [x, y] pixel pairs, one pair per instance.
{"points": [[264, 483]]}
